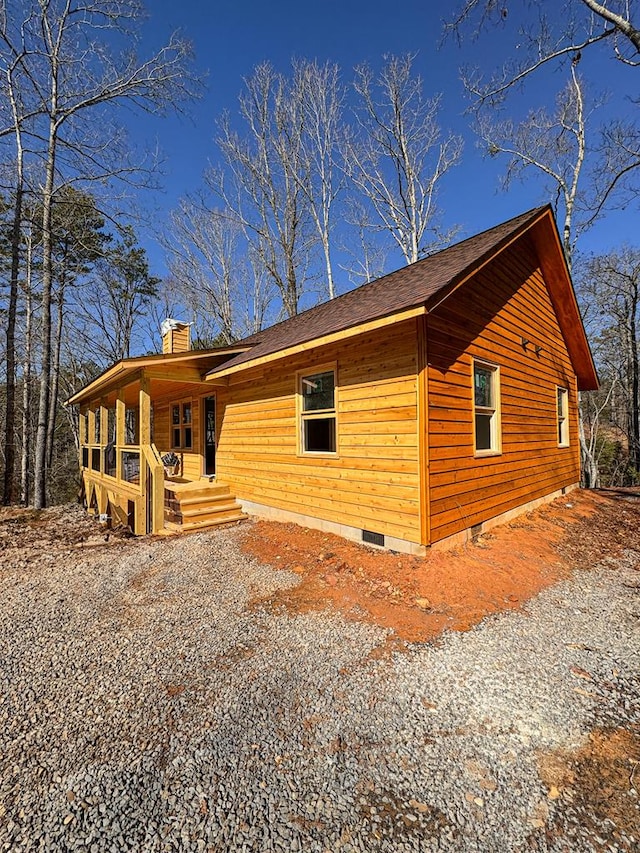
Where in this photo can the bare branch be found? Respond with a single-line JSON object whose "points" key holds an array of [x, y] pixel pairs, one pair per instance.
{"points": [[399, 156], [577, 26]]}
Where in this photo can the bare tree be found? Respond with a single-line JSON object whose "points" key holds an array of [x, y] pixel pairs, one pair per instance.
{"points": [[553, 144], [73, 69], [11, 61], [610, 283], [557, 36], [399, 155], [318, 89], [264, 185], [204, 248], [25, 457]]}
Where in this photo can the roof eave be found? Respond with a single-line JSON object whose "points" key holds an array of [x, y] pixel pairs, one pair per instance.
{"points": [[129, 367], [107, 377], [321, 340], [563, 297], [544, 234]]}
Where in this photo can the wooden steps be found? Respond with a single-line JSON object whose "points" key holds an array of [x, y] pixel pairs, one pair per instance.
{"points": [[199, 504]]}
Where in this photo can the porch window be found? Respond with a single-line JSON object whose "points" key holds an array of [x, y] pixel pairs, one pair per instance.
{"points": [[562, 396], [317, 392], [131, 427], [96, 422], [181, 426], [110, 448], [486, 396]]}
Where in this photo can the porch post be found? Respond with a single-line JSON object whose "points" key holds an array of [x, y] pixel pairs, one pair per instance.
{"points": [[145, 411], [82, 433], [91, 430], [143, 438], [104, 438], [120, 409]]}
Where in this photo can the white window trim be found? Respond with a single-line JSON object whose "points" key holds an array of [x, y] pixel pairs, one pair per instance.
{"points": [[562, 420], [301, 415], [496, 425]]}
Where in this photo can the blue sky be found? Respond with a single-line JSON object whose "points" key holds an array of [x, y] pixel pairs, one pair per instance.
{"points": [[230, 38]]}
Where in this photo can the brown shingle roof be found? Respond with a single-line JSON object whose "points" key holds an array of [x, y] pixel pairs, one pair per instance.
{"points": [[406, 288]]}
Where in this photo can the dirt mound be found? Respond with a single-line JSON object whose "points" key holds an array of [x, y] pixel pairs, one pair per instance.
{"points": [[419, 597]]}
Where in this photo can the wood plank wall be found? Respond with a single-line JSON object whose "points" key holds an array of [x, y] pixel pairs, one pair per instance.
{"points": [[487, 319], [373, 482], [191, 467]]}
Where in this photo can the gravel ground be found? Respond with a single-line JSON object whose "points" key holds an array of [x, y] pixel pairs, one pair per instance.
{"points": [[147, 705]]}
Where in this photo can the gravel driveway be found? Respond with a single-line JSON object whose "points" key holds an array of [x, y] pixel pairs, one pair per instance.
{"points": [[148, 706]]}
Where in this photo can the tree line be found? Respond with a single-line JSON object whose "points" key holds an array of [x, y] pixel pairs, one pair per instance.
{"points": [[65, 75], [294, 164], [315, 182]]}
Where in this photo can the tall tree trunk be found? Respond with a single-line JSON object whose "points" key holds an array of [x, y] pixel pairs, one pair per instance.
{"points": [[26, 387], [635, 382], [10, 420], [326, 248], [54, 380], [590, 473], [40, 467]]}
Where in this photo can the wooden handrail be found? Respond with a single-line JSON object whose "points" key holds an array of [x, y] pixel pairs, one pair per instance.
{"points": [[153, 460], [152, 457]]}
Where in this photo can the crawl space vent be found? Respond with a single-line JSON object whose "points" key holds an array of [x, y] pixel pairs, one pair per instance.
{"points": [[372, 538]]}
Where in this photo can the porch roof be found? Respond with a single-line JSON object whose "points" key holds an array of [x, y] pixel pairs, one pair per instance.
{"points": [[177, 368]]}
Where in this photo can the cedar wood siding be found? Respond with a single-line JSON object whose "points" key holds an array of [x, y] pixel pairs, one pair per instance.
{"points": [[191, 467], [487, 318], [374, 481]]}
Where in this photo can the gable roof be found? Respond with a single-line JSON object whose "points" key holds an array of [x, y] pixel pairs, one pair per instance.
{"points": [[425, 284], [412, 290]]}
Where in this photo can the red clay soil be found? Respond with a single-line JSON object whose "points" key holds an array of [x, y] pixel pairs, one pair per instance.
{"points": [[419, 597]]}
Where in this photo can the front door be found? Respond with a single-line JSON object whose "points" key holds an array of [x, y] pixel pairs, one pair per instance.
{"points": [[209, 436]]}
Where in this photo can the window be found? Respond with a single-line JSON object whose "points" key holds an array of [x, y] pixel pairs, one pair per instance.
{"points": [[486, 395], [318, 412], [563, 416], [181, 426], [96, 426]]}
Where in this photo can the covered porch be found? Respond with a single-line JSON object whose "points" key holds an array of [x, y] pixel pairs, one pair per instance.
{"points": [[147, 440]]}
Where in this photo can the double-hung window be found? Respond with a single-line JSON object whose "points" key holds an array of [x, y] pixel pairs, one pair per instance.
{"points": [[562, 397], [486, 408], [317, 394], [181, 426]]}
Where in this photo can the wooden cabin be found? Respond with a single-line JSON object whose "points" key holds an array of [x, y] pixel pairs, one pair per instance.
{"points": [[414, 411]]}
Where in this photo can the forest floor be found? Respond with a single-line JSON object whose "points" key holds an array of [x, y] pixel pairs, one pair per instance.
{"points": [[563, 566]]}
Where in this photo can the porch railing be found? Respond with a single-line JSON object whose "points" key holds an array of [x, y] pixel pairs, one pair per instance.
{"points": [[130, 470]]}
